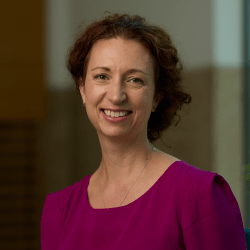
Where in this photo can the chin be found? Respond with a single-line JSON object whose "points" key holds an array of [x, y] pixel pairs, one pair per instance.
{"points": [[114, 132]]}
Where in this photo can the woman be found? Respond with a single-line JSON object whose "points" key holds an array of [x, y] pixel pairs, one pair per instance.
{"points": [[128, 74]]}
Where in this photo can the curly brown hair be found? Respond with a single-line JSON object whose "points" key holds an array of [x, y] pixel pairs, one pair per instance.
{"points": [[167, 65]]}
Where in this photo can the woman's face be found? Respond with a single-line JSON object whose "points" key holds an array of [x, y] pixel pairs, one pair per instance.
{"points": [[118, 87]]}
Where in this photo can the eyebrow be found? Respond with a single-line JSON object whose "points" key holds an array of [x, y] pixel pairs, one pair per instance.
{"points": [[128, 71]]}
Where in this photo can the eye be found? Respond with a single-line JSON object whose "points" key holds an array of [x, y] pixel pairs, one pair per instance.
{"points": [[138, 79], [100, 78]]}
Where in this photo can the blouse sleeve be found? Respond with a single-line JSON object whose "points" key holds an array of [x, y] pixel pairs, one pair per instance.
{"points": [[50, 222], [214, 219]]}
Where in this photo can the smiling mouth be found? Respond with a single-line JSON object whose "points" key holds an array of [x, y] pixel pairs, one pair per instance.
{"points": [[127, 113], [118, 111]]}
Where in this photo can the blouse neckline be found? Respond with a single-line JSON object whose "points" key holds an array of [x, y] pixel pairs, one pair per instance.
{"points": [[137, 200]]}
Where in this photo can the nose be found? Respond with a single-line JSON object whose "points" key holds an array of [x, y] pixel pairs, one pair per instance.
{"points": [[116, 92]]}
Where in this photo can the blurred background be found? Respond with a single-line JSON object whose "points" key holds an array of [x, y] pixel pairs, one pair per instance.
{"points": [[46, 139]]}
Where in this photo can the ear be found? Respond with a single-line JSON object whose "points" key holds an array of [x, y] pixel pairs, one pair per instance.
{"points": [[82, 88], [157, 100]]}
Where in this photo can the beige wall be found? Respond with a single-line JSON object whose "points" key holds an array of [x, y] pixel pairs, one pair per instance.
{"points": [[228, 125], [188, 22]]}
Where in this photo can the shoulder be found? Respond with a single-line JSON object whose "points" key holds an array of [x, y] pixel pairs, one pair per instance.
{"points": [[184, 170], [195, 181], [160, 155], [163, 161], [59, 198], [52, 213], [202, 193], [209, 206]]}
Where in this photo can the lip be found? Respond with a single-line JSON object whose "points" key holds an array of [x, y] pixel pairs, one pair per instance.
{"points": [[117, 110], [115, 119]]}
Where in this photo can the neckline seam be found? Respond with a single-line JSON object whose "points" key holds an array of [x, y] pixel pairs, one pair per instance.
{"points": [[99, 209]]}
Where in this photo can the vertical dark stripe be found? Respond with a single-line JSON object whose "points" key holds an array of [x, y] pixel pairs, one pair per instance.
{"points": [[246, 51], [17, 173]]}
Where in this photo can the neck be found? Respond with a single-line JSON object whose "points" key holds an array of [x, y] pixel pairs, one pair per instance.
{"points": [[121, 163]]}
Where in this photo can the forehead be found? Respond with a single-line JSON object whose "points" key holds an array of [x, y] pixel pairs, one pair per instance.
{"points": [[125, 53]]}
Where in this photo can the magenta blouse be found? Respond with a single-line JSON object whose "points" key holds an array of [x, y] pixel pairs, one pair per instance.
{"points": [[187, 208]]}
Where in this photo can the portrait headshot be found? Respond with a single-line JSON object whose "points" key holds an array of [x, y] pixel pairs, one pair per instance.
{"points": [[129, 75]]}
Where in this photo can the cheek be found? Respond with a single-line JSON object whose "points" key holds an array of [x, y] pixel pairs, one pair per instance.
{"points": [[93, 94], [146, 101], [93, 98], [142, 102]]}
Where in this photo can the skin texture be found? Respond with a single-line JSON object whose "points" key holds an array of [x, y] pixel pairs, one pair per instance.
{"points": [[125, 146]]}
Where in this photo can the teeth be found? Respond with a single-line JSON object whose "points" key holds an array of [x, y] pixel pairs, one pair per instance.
{"points": [[115, 114]]}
